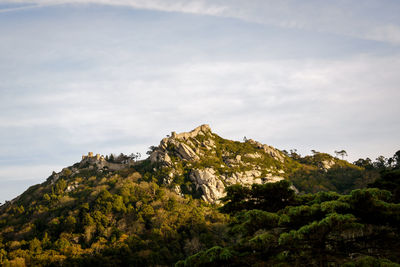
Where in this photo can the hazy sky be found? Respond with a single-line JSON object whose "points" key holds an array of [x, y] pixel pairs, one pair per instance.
{"points": [[113, 76]]}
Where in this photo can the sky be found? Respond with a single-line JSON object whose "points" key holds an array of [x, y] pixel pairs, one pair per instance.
{"points": [[113, 76]]}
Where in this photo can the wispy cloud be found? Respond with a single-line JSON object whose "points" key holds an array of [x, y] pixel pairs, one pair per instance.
{"points": [[24, 172], [273, 100], [110, 79], [24, 5], [351, 18], [195, 7]]}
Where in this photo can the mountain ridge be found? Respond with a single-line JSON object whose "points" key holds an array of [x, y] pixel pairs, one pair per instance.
{"points": [[124, 211], [207, 160]]}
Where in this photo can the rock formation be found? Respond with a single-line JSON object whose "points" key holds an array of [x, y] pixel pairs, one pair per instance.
{"points": [[92, 162], [212, 163]]}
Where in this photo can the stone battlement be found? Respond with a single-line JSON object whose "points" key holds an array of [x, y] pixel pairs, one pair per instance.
{"points": [[202, 129], [90, 156]]}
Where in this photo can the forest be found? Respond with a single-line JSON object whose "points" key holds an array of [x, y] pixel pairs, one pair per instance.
{"points": [[128, 218]]}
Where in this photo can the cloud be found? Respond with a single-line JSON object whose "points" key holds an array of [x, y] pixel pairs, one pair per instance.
{"points": [[354, 19], [24, 172], [20, 8], [389, 32], [106, 89], [195, 7], [101, 81], [280, 102]]}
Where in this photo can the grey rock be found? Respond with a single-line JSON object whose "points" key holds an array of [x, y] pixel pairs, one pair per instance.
{"points": [[212, 187], [186, 152], [161, 156], [186, 147], [327, 164]]}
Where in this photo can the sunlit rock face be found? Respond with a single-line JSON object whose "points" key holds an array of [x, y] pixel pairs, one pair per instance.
{"points": [[210, 163]]}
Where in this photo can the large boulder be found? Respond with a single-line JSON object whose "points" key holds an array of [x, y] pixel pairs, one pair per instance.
{"points": [[212, 185], [209, 183], [160, 156], [186, 152]]}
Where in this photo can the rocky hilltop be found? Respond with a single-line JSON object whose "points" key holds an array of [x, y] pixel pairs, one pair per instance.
{"points": [[198, 163], [116, 210], [202, 163]]}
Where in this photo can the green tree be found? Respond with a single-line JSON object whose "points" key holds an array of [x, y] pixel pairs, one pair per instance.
{"points": [[35, 246], [342, 153]]}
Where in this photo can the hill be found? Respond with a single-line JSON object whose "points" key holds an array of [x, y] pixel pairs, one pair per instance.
{"points": [[115, 210], [201, 163]]}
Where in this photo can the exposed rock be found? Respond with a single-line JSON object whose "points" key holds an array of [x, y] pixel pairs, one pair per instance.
{"points": [[177, 190], [232, 162], [99, 162], [169, 179], [209, 144], [192, 149], [212, 187], [269, 178], [186, 152], [294, 189], [247, 177], [171, 175], [163, 144], [327, 164], [201, 130], [160, 156], [275, 153], [253, 156], [72, 187]]}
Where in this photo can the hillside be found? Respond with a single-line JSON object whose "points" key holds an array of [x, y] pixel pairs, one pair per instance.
{"points": [[119, 211], [201, 163]]}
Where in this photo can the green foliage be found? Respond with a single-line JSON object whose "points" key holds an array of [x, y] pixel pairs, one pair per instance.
{"points": [[115, 220], [253, 220], [370, 261], [131, 217], [215, 256], [323, 229], [269, 197], [390, 180], [322, 172]]}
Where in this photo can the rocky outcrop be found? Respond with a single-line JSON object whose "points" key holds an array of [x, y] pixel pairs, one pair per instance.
{"points": [[275, 153], [245, 178], [186, 152], [201, 130], [91, 162], [209, 183], [213, 185], [180, 145], [327, 164], [201, 147], [253, 156], [160, 156]]}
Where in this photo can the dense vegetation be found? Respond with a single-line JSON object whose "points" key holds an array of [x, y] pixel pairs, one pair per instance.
{"points": [[274, 227], [111, 219], [311, 176], [88, 216]]}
